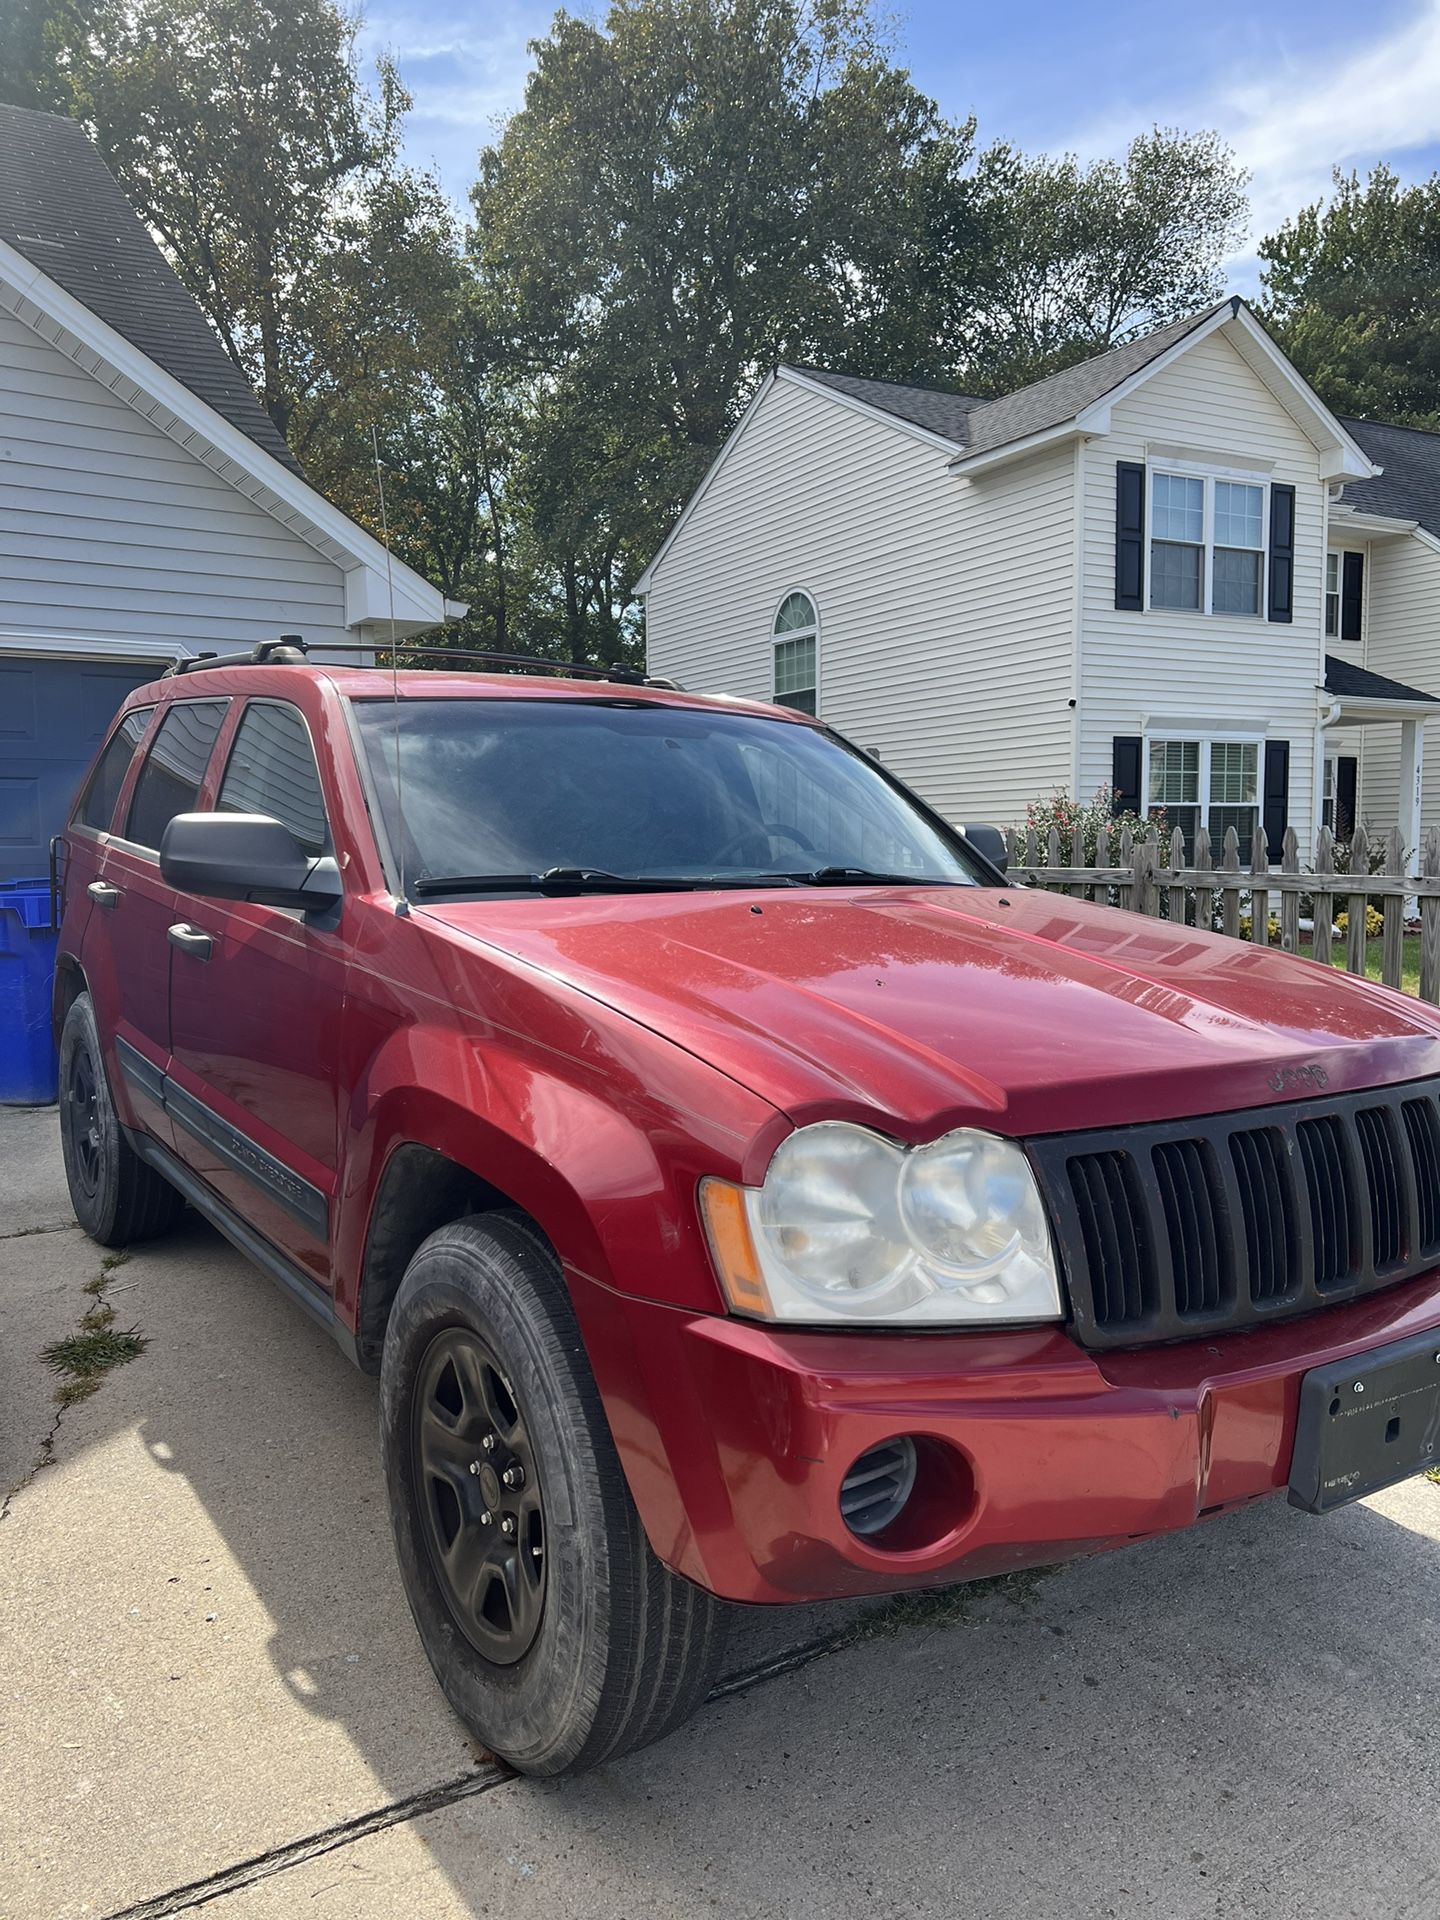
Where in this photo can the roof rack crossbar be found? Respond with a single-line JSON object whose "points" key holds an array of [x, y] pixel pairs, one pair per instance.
{"points": [[291, 650]]}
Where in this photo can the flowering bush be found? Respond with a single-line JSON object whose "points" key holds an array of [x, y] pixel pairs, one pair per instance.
{"points": [[1374, 923], [1247, 925], [1086, 817]]}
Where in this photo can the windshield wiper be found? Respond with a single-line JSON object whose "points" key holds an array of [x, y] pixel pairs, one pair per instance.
{"points": [[866, 877], [552, 880]]}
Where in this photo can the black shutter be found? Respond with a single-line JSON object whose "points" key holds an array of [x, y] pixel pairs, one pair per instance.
{"points": [[1282, 553], [1346, 768], [1352, 594], [1275, 795], [1129, 535], [1125, 772]]}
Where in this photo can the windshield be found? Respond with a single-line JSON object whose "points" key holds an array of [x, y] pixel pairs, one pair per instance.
{"points": [[580, 793]]}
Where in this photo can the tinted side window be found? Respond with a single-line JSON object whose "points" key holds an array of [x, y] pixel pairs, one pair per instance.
{"points": [[272, 770], [169, 781], [97, 803]]}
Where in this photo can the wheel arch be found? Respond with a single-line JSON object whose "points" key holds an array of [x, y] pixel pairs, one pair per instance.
{"points": [[70, 983], [420, 1189]]}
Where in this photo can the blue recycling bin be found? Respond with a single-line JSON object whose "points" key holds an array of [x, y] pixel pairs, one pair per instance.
{"points": [[28, 1065]]}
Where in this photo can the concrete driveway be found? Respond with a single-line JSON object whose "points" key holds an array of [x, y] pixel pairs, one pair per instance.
{"points": [[211, 1696]]}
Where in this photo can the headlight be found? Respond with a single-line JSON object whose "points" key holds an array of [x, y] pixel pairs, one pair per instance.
{"points": [[849, 1227]]}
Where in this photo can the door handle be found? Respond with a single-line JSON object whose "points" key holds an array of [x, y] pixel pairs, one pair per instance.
{"points": [[190, 940], [103, 894]]}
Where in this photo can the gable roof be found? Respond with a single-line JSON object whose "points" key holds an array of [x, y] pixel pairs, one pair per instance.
{"points": [[62, 208], [1060, 397], [1409, 486], [976, 426], [1077, 399]]}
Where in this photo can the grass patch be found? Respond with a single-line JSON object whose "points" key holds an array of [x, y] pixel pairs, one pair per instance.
{"points": [[1409, 962], [83, 1358]]}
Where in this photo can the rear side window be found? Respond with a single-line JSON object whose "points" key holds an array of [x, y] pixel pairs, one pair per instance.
{"points": [[272, 770], [170, 779], [97, 803]]}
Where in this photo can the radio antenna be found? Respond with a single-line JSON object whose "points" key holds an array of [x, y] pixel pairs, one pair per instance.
{"points": [[402, 906]]}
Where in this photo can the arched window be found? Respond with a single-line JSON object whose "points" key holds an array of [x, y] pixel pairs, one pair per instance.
{"points": [[797, 640]]}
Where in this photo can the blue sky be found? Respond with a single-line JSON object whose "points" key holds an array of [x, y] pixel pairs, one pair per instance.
{"points": [[1295, 87]]}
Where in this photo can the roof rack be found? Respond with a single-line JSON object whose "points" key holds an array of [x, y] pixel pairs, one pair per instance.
{"points": [[290, 650]]}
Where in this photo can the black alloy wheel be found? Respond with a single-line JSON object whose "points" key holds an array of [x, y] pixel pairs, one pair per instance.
{"points": [[81, 1120], [479, 1496]]}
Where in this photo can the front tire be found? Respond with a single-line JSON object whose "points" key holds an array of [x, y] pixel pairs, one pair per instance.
{"points": [[116, 1197], [558, 1637]]}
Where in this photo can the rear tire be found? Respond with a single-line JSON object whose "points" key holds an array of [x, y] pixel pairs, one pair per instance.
{"points": [[604, 1649], [117, 1198]]}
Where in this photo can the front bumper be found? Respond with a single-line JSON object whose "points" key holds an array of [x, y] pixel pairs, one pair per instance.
{"points": [[735, 1437]]}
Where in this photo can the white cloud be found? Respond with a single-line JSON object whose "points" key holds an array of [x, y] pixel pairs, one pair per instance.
{"points": [[1306, 115], [1290, 129], [465, 70]]}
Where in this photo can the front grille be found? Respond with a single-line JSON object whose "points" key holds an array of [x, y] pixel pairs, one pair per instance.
{"points": [[1166, 1232]]}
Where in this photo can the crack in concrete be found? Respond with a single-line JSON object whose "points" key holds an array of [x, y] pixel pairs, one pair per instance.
{"points": [[27, 1233], [44, 1458], [492, 1774], [264, 1866], [97, 1289]]}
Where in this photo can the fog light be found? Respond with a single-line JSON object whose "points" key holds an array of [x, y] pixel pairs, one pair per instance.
{"points": [[875, 1490]]}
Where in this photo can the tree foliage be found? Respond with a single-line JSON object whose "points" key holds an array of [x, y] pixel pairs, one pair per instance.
{"points": [[702, 188], [1079, 258], [1350, 294]]}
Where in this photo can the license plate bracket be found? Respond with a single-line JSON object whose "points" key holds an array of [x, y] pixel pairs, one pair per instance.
{"points": [[1366, 1422]]}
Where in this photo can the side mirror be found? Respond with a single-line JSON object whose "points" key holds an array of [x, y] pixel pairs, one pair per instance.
{"points": [[246, 856], [989, 843]]}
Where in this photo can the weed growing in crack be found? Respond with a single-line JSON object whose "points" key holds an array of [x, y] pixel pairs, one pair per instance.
{"points": [[84, 1357]]}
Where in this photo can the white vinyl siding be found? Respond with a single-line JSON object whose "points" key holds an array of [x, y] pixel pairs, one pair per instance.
{"points": [[1169, 672], [1402, 592], [945, 605], [109, 530]]}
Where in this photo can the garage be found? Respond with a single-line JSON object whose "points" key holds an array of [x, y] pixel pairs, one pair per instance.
{"points": [[53, 715]]}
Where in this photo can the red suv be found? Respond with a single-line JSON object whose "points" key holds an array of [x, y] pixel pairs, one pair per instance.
{"points": [[742, 1194]]}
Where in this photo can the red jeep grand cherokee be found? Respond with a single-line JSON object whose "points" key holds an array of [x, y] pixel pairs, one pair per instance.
{"points": [[739, 1190]]}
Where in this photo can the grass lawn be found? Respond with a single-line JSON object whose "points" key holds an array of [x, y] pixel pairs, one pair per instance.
{"points": [[1410, 976]]}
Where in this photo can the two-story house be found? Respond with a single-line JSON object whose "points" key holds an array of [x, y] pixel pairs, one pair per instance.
{"points": [[1170, 569]]}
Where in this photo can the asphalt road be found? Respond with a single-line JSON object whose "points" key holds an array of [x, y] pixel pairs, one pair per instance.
{"points": [[211, 1696]]}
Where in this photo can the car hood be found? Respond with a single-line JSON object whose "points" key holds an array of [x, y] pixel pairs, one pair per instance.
{"points": [[923, 1007]]}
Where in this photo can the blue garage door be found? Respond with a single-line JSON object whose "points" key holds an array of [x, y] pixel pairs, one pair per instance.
{"points": [[53, 715]]}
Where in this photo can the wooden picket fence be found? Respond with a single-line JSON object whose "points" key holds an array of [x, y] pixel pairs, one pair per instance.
{"points": [[1146, 877]]}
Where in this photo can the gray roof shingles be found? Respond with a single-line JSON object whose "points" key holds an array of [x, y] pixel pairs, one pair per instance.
{"points": [[1350, 682], [938, 412], [61, 207], [977, 426], [1409, 488]]}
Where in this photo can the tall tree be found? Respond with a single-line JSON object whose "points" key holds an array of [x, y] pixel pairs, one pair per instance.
{"points": [[1350, 293], [1079, 258], [242, 133], [696, 190]]}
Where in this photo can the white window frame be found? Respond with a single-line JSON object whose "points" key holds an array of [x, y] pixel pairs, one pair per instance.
{"points": [[795, 633], [1206, 741], [1238, 476]]}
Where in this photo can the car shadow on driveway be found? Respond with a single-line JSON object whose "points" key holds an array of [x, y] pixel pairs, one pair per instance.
{"points": [[1240, 1720]]}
